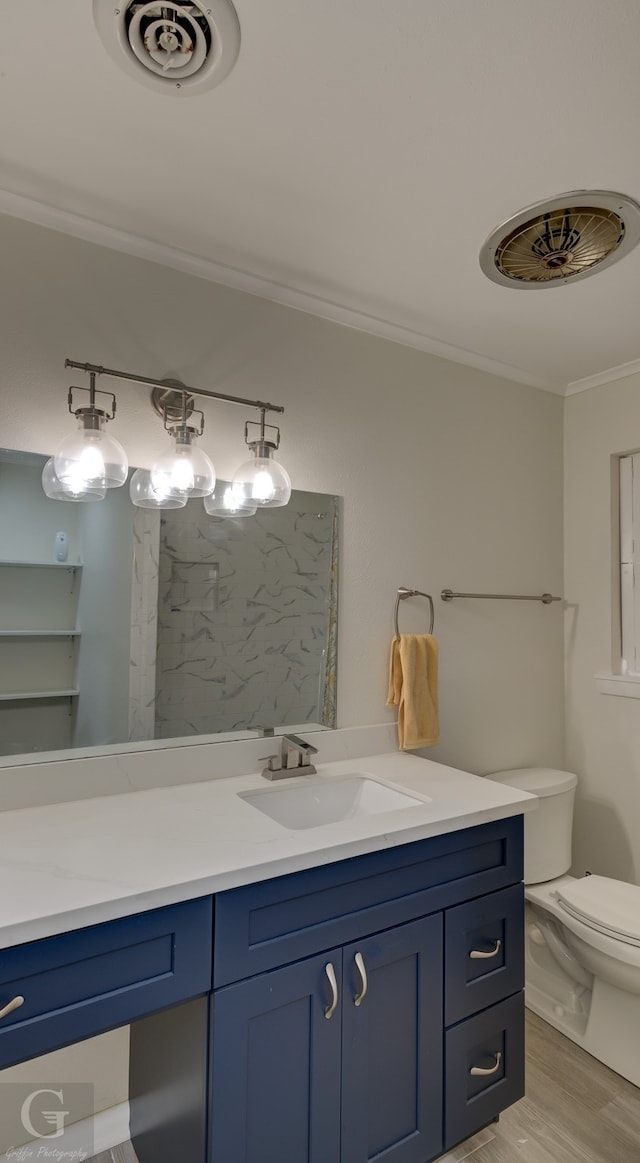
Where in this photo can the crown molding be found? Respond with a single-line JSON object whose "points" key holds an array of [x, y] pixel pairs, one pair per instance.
{"points": [[606, 377], [89, 230]]}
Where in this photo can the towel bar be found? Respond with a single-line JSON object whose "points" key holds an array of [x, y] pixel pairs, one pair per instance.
{"points": [[403, 593], [448, 595]]}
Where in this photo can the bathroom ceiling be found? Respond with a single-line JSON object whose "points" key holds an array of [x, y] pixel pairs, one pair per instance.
{"points": [[351, 164]]}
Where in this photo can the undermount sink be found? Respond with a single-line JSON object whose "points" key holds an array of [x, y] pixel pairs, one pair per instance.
{"points": [[312, 804]]}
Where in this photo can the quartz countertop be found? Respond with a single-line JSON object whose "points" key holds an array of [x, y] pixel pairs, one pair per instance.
{"points": [[69, 865]]}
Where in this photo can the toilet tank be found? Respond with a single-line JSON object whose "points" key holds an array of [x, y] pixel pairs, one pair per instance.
{"points": [[547, 829]]}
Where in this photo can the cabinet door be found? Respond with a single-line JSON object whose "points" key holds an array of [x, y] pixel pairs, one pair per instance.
{"points": [[392, 1045], [276, 1066]]}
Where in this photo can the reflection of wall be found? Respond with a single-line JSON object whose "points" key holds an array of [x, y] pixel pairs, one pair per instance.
{"points": [[144, 624], [104, 616], [29, 521], [243, 648]]}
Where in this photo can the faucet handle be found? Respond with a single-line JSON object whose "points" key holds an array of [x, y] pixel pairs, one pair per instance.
{"points": [[274, 762]]}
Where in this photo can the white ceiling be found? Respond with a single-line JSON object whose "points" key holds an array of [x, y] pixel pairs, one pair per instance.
{"points": [[352, 163]]}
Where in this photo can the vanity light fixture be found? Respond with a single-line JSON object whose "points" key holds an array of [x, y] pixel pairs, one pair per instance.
{"points": [[90, 459], [90, 462], [262, 481], [185, 470], [224, 503], [56, 491], [145, 496]]}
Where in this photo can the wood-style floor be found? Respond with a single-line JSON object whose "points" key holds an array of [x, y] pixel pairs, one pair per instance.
{"points": [[575, 1111]]}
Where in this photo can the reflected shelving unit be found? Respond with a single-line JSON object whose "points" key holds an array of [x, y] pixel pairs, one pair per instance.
{"points": [[38, 644]]}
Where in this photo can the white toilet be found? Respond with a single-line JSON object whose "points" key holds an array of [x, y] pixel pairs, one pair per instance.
{"points": [[582, 941]]}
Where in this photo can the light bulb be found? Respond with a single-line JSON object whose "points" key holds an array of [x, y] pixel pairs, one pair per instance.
{"points": [[89, 467], [263, 486]]}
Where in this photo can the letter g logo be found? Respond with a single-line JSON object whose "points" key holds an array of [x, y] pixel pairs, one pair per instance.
{"points": [[54, 1118]]}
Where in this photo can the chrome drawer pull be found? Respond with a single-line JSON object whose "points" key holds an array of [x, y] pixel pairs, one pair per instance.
{"points": [[14, 1004], [331, 974], [492, 1069], [359, 998], [477, 954]]}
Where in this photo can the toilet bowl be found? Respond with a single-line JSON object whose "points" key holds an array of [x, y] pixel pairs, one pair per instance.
{"points": [[582, 940]]}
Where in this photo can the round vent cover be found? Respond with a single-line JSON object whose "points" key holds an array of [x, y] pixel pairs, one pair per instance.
{"points": [[177, 48], [562, 240]]}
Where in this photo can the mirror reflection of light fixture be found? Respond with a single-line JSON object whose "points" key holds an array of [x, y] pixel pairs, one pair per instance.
{"points": [[90, 459], [56, 491], [224, 503], [90, 462], [145, 496], [262, 481]]}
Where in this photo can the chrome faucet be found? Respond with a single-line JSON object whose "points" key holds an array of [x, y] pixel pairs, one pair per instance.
{"points": [[294, 759]]}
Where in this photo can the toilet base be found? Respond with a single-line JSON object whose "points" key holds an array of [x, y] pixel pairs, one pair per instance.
{"points": [[598, 1016], [611, 1030]]}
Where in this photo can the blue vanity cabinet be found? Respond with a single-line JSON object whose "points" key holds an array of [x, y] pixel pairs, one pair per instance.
{"points": [[368, 1010], [422, 1030], [310, 1072]]}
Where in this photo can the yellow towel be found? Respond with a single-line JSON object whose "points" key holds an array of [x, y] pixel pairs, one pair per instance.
{"points": [[413, 689]]}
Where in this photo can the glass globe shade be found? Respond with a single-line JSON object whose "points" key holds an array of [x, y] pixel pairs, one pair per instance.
{"points": [[144, 495], [90, 459], [184, 469], [262, 482], [224, 503], [56, 491]]}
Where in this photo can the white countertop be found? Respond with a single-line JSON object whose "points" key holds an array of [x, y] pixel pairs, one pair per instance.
{"points": [[68, 865]]}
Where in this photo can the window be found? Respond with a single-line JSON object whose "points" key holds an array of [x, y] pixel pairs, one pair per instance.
{"points": [[624, 678], [630, 563]]}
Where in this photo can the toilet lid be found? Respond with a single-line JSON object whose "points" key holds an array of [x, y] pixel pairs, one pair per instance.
{"points": [[610, 906]]}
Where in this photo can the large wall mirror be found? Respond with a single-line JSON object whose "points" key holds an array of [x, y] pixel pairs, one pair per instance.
{"points": [[140, 625]]}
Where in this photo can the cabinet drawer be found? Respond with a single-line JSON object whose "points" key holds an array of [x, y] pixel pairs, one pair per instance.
{"points": [[484, 952], [85, 982], [261, 926], [493, 1043]]}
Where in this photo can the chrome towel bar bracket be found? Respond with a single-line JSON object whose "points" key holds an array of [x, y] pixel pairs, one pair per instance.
{"points": [[546, 599], [403, 593]]}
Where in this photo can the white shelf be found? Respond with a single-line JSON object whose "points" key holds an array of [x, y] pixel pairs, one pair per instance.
{"points": [[11, 696], [39, 633], [43, 564]]}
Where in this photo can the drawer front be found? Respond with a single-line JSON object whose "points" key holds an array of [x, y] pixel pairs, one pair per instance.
{"points": [[484, 1068], [484, 952], [261, 926], [83, 983]]}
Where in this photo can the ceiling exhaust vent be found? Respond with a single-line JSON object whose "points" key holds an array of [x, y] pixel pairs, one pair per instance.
{"points": [[562, 239], [179, 48]]}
